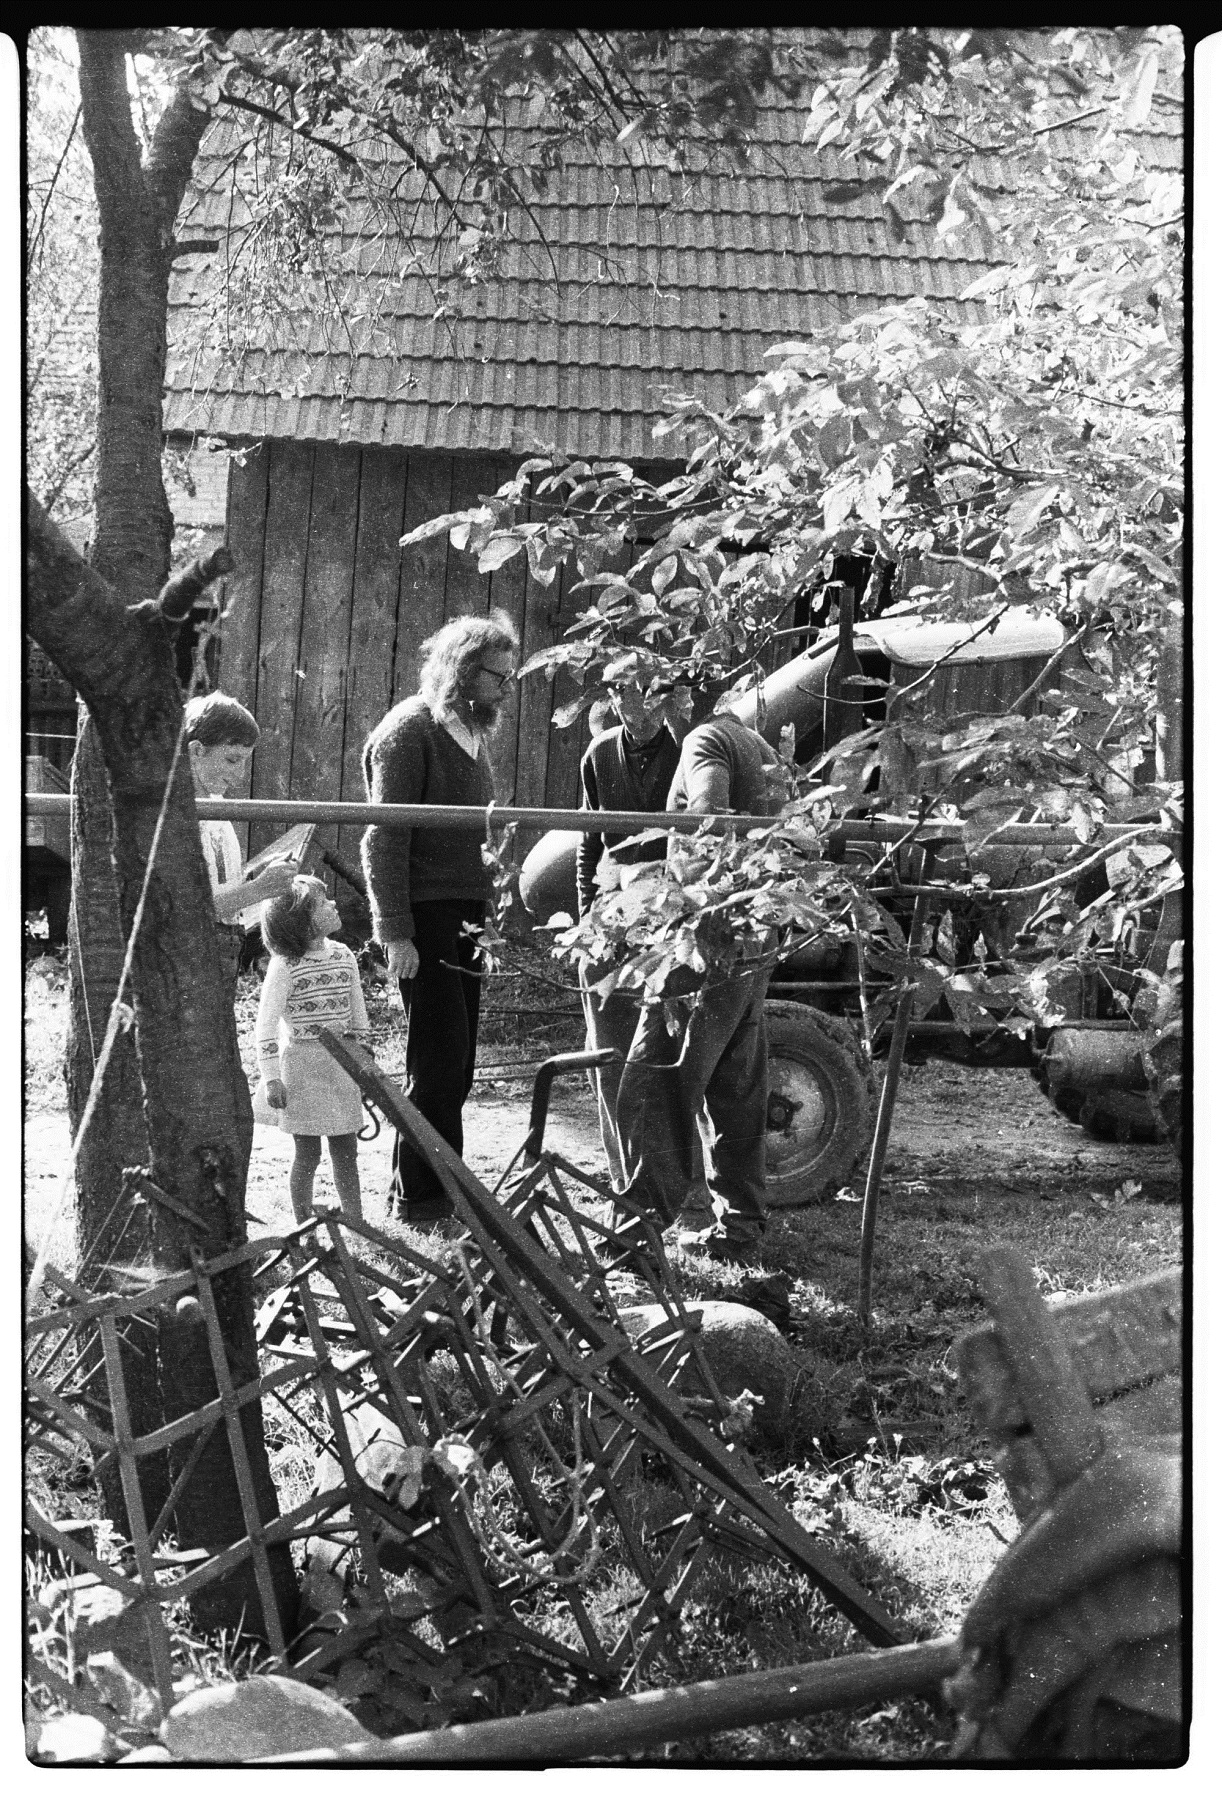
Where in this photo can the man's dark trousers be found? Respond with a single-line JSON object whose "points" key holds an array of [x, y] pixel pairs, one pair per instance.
{"points": [[442, 1006]]}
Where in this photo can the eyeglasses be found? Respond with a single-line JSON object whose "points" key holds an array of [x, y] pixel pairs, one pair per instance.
{"points": [[502, 680]]}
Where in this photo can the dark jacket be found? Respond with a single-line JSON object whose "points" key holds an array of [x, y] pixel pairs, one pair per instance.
{"points": [[410, 759]]}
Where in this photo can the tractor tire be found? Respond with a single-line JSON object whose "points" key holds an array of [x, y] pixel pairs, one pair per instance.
{"points": [[1165, 1069], [820, 1107], [1068, 1101], [1115, 1111], [1120, 1117], [1163, 1053]]}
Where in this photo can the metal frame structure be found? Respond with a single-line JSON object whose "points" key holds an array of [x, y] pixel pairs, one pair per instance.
{"points": [[565, 1487]]}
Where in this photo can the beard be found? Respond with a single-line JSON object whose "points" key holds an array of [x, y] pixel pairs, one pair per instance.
{"points": [[484, 715]]}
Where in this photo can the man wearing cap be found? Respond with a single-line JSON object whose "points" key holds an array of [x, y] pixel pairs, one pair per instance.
{"points": [[627, 768]]}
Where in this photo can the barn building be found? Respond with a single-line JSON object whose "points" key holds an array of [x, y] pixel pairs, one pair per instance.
{"points": [[632, 281], [336, 429]]}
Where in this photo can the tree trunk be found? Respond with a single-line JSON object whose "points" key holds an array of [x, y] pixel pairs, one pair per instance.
{"points": [[110, 1229], [196, 1107]]}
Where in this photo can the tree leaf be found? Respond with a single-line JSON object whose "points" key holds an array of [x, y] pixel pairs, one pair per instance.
{"points": [[664, 573], [498, 553], [1026, 511], [437, 527], [838, 504], [565, 715], [1139, 93]]}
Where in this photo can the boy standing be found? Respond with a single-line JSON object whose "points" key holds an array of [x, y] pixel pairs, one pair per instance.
{"points": [[220, 739]]}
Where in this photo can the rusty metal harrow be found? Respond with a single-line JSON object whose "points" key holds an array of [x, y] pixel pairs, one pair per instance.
{"points": [[513, 1482]]}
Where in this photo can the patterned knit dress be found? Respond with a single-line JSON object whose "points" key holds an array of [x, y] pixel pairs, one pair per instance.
{"points": [[323, 987]]}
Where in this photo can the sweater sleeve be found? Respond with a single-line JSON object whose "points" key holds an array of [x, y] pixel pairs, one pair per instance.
{"points": [[704, 774], [394, 775], [359, 1023], [272, 999], [590, 850]]}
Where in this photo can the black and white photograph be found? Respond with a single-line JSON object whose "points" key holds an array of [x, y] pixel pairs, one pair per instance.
{"points": [[604, 1107]]}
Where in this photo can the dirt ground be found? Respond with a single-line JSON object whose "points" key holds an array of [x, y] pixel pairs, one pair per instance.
{"points": [[984, 1145]]}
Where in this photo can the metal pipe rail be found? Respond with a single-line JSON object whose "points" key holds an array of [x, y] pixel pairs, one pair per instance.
{"points": [[880, 830], [567, 1734]]}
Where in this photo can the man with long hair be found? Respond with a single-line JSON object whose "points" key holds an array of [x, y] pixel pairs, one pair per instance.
{"points": [[428, 888]]}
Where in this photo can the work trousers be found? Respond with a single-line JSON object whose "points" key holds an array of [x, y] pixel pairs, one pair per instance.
{"points": [[610, 1025], [717, 1073], [442, 1006]]}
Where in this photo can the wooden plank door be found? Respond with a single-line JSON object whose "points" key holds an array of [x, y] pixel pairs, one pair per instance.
{"points": [[466, 588], [245, 526], [290, 481], [422, 571], [322, 666], [375, 605], [566, 743], [507, 594]]}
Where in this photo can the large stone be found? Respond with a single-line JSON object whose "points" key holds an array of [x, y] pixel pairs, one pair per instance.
{"points": [[381, 1457], [387, 1464], [744, 1350], [268, 1715], [122, 1691], [71, 1738], [100, 1619]]}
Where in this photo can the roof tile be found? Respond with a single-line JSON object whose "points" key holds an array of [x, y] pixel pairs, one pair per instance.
{"points": [[657, 283]]}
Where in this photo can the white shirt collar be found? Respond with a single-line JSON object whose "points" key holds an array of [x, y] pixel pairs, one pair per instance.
{"points": [[464, 736]]}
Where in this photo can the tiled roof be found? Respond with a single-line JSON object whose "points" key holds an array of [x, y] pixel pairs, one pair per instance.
{"points": [[676, 284]]}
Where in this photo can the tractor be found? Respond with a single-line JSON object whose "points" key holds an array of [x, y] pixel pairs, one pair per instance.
{"points": [[1099, 1069]]}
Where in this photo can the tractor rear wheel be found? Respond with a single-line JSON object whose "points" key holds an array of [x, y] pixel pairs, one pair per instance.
{"points": [[1120, 1117], [1097, 1081], [820, 1110]]}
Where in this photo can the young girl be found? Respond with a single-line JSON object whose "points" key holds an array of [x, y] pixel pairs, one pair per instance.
{"points": [[311, 981]]}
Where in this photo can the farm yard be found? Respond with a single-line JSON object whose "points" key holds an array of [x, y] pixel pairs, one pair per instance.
{"points": [[879, 1450], [700, 513]]}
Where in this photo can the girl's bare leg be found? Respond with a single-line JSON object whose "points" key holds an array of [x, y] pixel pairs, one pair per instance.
{"points": [[306, 1153], [347, 1176]]}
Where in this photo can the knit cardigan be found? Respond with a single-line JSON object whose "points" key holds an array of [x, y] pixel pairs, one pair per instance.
{"points": [[410, 759], [614, 781]]}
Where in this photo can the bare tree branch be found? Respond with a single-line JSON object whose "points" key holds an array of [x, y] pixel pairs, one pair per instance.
{"points": [[297, 131], [36, 240]]}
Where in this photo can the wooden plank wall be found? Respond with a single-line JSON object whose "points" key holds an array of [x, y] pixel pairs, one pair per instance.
{"points": [[325, 616]]}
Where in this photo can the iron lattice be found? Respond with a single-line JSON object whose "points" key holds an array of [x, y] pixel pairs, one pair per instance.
{"points": [[548, 1491]]}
